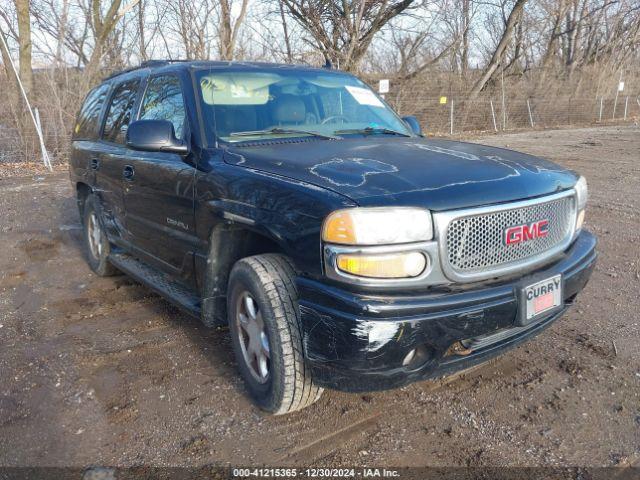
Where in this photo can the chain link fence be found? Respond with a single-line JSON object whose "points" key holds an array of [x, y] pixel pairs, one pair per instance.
{"points": [[459, 115], [442, 116]]}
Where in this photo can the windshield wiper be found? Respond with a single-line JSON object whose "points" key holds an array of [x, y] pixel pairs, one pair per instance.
{"points": [[374, 130], [278, 131]]}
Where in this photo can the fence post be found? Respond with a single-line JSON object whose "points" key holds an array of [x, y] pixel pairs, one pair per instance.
{"points": [[530, 116], [493, 115], [451, 117], [626, 104], [600, 116]]}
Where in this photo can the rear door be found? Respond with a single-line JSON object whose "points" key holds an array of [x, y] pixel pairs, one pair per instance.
{"points": [[159, 195], [85, 147], [111, 162]]}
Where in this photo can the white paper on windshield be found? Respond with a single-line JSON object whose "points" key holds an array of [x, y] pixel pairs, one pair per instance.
{"points": [[364, 96]]}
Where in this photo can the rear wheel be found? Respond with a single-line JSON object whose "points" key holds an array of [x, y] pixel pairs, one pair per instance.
{"points": [[95, 239], [264, 321]]}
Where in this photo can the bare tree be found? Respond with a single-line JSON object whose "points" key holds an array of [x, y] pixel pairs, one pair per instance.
{"points": [[229, 27], [103, 19], [496, 58], [344, 30]]}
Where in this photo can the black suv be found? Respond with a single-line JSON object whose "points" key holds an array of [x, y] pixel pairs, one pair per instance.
{"points": [[341, 247]]}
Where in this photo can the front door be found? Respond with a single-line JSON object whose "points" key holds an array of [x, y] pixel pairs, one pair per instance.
{"points": [[159, 191], [110, 161]]}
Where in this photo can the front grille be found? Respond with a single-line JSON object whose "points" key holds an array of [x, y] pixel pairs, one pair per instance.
{"points": [[476, 243]]}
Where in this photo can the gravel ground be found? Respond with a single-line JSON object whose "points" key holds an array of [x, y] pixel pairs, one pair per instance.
{"points": [[101, 371]]}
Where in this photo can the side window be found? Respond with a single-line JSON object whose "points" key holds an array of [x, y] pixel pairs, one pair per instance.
{"points": [[88, 122], [120, 110], [163, 101]]}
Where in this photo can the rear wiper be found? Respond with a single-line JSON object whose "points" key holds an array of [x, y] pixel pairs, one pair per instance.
{"points": [[374, 130], [278, 131]]}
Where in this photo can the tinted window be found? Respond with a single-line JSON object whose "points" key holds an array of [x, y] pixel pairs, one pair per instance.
{"points": [[163, 101], [120, 111], [89, 117]]}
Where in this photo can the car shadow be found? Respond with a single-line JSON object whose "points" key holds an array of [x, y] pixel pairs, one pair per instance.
{"points": [[214, 344]]}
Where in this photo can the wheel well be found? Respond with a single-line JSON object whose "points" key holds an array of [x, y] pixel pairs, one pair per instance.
{"points": [[82, 192], [228, 244]]}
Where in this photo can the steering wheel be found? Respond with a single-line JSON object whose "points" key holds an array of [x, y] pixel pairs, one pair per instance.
{"points": [[333, 118]]}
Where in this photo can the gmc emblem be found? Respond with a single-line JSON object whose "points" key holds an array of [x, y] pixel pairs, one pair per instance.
{"points": [[524, 233]]}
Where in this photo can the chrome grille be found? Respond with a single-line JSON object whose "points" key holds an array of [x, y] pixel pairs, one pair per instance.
{"points": [[475, 243]]}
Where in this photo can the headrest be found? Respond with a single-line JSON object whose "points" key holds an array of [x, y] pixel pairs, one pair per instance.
{"points": [[289, 109]]}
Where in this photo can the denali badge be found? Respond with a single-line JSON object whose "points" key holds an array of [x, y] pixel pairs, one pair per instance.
{"points": [[524, 233]]}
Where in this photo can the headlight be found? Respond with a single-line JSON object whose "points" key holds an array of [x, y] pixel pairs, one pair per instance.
{"points": [[582, 195], [389, 265], [582, 192], [378, 226]]}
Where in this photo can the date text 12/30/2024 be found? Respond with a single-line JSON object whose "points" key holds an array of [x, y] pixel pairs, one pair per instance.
{"points": [[315, 473]]}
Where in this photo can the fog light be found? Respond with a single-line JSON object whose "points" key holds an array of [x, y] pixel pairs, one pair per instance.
{"points": [[418, 357], [409, 357], [391, 265]]}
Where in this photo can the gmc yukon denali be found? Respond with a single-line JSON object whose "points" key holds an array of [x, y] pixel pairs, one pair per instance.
{"points": [[342, 248]]}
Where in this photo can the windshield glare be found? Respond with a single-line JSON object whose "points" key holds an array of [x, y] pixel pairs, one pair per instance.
{"points": [[316, 102]]}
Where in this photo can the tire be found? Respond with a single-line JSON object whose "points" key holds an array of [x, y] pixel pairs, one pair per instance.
{"points": [[95, 239], [285, 385]]}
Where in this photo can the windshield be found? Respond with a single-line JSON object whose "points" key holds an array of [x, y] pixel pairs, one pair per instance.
{"points": [[247, 105]]}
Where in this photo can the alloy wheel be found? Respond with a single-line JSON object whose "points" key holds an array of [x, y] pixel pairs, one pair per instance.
{"points": [[254, 341]]}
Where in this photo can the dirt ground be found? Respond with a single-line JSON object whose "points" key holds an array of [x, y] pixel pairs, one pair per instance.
{"points": [[102, 371]]}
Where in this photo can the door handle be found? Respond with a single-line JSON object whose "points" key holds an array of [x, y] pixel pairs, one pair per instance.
{"points": [[94, 163], [128, 172]]}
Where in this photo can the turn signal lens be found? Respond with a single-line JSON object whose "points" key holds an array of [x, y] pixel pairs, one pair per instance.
{"points": [[391, 265], [378, 226], [338, 228]]}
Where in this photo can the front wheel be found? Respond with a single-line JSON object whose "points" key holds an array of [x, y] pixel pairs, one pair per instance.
{"points": [[264, 321]]}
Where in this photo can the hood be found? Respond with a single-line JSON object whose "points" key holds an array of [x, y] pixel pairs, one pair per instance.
{"points": [[435, 174]]}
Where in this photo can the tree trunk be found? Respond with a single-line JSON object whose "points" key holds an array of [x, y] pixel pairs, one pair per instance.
{"points": [[102, 28], [143, 45], [496, 58], [464, 54], [285, 30], [228, 29], [24, 43]]}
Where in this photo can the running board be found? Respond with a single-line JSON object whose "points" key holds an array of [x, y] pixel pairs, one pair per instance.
{"points": [[157, 281]]}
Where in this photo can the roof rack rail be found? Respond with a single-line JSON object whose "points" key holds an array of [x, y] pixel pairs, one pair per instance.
{"points": [[145, 64]]}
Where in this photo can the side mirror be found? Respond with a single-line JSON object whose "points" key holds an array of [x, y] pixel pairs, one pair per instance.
{"points": [[413, 124], [155, 136]]}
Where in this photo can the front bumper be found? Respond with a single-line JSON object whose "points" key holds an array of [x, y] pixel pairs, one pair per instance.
{"points": [[357, 342]]}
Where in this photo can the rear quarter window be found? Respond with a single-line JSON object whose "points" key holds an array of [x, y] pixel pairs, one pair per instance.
{"points": [[120, 111], [88, 122]]}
